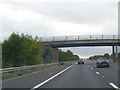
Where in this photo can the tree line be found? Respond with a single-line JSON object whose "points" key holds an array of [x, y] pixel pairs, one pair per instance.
{"points": [[106, 55], [67, 56], [23, 50]]}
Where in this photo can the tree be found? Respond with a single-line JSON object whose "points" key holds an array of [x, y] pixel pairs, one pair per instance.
{"points": [[20, 50], [46, 52], [95, 57], [67, 56], [107, 56]]}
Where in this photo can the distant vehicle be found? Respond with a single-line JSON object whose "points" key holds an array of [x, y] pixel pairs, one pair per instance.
{"points": [[80, 61], [102, 62]]}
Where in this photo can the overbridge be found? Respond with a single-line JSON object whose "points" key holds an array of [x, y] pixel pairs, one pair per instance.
{"points": [[82, 40], [76, 43]]}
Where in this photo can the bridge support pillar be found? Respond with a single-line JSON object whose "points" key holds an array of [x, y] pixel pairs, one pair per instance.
{"points": [[113, 52], [116, 54]]}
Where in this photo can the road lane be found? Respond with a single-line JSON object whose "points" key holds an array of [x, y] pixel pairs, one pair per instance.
{"points": [[30, 80], [110, 74], [52, 77], [79, 76]]}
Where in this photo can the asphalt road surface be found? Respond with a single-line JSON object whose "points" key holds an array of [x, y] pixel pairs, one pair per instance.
{"points": [[68, 76]]}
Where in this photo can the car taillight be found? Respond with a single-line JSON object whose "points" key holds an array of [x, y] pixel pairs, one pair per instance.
{"points": [[107, 61], [99, 61]]}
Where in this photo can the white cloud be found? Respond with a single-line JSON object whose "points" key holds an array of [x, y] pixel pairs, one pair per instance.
{"points": [[19, 15], [50, 19], [65, 28], [59, 18]]}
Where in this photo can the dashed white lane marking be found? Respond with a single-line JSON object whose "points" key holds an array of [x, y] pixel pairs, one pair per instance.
{"points": [[37, 86], [103, 76], [34, 72], [76, 63], [114, 86], [91, 68], [97, 72]]}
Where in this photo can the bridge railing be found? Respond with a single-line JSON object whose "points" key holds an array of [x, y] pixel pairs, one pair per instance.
{"points": [[78, 37]]}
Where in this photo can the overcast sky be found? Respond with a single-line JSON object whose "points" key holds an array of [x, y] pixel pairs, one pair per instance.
{"points": [[59, 18]]}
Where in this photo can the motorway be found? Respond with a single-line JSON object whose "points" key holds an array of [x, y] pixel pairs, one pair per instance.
{"points": [[68, 76]]}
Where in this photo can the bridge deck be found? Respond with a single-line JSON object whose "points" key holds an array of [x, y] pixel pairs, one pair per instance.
{"points": [[74, 43]]}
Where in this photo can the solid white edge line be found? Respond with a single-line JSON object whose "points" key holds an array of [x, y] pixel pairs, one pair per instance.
{"points": [[51, 78], [113, 85], [97, 72]]}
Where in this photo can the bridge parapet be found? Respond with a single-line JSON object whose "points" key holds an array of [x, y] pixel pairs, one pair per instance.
{"points": [[78, 37]]}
